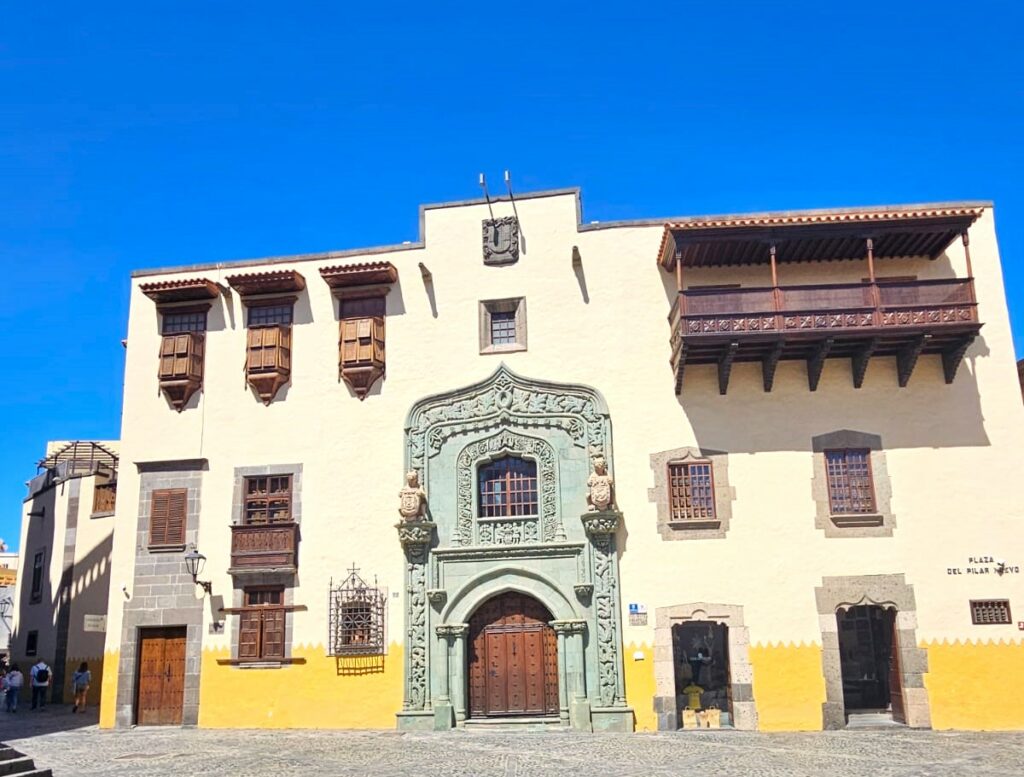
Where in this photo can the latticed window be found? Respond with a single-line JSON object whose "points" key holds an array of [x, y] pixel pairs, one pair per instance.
{"points": [[990, 612], [268, 499], [266, 315], [691, 491], [262, 625], [191, 321], [508, 488], [357, 617], [503, 327], [850, 487]]}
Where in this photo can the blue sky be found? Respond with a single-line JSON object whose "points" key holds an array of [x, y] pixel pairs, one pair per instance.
{"points": [[146, 134]]}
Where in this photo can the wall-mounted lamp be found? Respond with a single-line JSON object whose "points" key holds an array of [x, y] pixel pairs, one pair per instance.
{"points": [[194, 562], [5, 606]]}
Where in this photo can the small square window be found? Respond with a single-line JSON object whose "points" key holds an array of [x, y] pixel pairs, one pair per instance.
{"points": [[851, 490], [503, 325], [990, 612], [32, 643], [691, 491]]}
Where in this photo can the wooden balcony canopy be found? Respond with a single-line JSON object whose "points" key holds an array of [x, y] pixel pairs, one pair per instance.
{"points": [[272, 282], [806, 236], [363, 274], [183, 290]]}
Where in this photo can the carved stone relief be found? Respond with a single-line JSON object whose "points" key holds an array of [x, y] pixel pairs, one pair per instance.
{"points": [[501, 241]]}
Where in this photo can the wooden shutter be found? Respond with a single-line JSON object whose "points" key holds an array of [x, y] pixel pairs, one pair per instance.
{"points": [[167, 516], [249, 635], [273, 633], [255, 357], [284, 348]]}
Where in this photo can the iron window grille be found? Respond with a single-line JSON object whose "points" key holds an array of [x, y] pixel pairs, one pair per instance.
{"points": [[508, 488], [357, 617], [990, 612], [691, 491], [851, 489]]}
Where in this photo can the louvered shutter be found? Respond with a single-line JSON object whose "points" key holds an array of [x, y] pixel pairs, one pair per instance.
{"points": [[255, 360], [270, 340], [349, 341], [249, 635], [273, 633], [198, 347], [158, 517], [284, 348], [176, 516]]}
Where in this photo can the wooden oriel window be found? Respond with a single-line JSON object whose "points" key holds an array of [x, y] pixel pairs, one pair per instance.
{"points": [[508, 488], [851, 490], [361, 342], [268, 362], [168, 516], [262, 625], [691, 491], [990, 612], [37, 576], [182, 350], [268, 499]]}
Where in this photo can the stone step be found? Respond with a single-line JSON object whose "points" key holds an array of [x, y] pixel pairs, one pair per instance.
{"points": [[515, 724], [7, 753], [20, 765]]}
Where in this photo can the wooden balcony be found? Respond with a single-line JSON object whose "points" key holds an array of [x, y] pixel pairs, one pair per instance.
{"points": [[856, 321], [265, 547]]}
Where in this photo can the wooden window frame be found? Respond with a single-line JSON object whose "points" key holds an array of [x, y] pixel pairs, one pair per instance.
{"points": [[516, 305], [168, 314], [996, 607], [832, 497], [681, 511], [38, 565], [169, 542], [102, 505], [260, 616], [245, 521], [508, 479]]}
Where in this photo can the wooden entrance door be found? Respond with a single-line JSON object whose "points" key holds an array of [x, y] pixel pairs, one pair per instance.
{"points": [[161, 676], [513, 659], [895, 674]]}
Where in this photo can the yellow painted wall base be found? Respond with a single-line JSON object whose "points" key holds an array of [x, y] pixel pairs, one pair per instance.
{"points": [[320, 693], [976, 685], [108, 699], [640, 686], [96, 665], [789, 687]]}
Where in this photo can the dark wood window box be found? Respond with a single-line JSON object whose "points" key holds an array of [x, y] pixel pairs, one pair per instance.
{"points": [[694, 525], [854, 520], [272, 546]]}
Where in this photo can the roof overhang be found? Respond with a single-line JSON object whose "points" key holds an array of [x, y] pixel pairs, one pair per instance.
{"points": [[809, 236], [184, 290], [364, 274], [273, 282]]}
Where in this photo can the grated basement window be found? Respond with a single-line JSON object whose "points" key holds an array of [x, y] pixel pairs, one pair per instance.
{"points": [[989, 612], [357, 619]]}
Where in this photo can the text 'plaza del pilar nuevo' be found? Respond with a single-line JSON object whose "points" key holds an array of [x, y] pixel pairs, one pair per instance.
{"points": [[754, 471]]}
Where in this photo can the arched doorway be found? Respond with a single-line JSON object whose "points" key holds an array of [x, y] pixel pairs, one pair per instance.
{"points": [[512, 658]]}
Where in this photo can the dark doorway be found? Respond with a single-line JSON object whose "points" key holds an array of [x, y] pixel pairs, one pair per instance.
{"points": [[700, 650], [869, 656], [161, 686], [513, 659]]}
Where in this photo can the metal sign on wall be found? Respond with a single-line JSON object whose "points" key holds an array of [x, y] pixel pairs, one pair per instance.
{"points": [[637, 614], [94, 623]]}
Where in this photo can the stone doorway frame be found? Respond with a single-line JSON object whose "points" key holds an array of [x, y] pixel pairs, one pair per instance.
{"points": [[741, 674], [889, 592]]}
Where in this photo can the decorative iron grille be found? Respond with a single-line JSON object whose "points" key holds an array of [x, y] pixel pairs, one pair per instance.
{"points": [[357, 619], [988, 612]]}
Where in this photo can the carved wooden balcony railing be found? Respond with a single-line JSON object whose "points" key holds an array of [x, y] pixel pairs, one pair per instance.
{"points": [[264, 547], [849, 320]]}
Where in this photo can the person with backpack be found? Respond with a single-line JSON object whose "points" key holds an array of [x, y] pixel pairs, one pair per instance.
{"points": [[41, 679], [80, 681], [13, 682]]}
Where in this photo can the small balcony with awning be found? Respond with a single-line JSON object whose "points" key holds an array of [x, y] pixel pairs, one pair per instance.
{"points": [[900, 317]]}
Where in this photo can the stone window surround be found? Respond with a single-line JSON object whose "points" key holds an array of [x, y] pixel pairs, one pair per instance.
{"points": [[887, 591], [241, 473], [878, 524], [515, 305], [741, 674], [725, 494]]}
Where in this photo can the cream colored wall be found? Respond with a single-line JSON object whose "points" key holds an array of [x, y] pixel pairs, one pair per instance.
{"points": [[91, 584], [951, 449]]}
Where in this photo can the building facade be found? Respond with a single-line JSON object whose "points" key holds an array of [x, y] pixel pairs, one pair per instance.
{"points": [[8, 581], [530, 469], [63, 586]]}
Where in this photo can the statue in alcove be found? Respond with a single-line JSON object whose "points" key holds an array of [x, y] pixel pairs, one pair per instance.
{"points": [[413, 499], [602, 490]]}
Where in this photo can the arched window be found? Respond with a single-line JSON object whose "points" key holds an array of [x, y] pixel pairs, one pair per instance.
{"points": [[508, 488]]}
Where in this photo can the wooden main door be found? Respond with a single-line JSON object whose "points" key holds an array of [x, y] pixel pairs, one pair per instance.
{"points": [[513, 659], [161, 676]]}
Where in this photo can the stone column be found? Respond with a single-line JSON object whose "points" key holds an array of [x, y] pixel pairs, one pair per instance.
{"points": [[416, 537], [449, 634], [458, 693], [574, 708], [611, 712]]}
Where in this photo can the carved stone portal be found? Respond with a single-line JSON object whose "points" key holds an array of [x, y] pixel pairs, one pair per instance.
{"points": [[501, 241]]}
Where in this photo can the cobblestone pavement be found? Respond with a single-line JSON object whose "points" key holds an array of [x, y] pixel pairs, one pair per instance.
{"points": [[155, 752]]}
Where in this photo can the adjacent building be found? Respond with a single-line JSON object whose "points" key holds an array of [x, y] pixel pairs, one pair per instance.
{"points": [[8, 579], [60, 600], [530, 469]]}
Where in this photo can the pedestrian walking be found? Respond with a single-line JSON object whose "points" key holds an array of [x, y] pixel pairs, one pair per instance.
{"points": [[13, 681], [80, 681], [41, 679]]}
